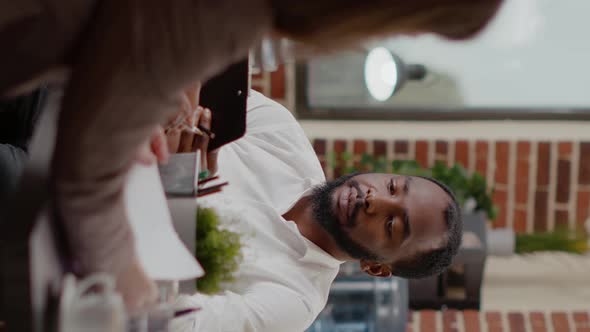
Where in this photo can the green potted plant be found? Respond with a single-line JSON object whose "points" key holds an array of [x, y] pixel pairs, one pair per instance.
{"points": [[560, 239], [218, 250], [505, 242]]}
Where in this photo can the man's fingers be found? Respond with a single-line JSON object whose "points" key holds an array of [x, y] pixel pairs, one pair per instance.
{"points": [[155, 150], [159, 145], [145, 156], [202, 141], [138, 290], [186, 142], [212, 161], [188, 136], [173, 140], [193, 92], [185, 110], [205, 118]]}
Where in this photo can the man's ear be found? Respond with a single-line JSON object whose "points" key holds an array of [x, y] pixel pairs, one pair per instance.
{"points": [[376, 269]]}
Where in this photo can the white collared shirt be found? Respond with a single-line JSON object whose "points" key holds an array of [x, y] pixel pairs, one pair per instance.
{"points": [[284, 280]]}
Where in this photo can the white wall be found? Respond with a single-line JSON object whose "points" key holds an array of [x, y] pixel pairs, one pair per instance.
{"points": [[536, 53], [448, 130]]}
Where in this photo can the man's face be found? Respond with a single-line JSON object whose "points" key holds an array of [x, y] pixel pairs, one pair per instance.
{"points": [[382, 217]]}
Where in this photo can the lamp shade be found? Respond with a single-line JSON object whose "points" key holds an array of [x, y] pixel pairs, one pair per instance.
{"points": [[382, 73]]}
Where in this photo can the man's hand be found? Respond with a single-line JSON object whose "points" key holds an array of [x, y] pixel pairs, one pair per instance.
{"points": [[138, 290], [156, 150], [182, 135]]}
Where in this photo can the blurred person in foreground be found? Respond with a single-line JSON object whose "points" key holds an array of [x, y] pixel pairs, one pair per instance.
{"points": [[125, 64], [297, 228]]}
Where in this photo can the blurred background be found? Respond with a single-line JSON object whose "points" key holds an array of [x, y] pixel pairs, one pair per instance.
{"points": [[503, 119]]}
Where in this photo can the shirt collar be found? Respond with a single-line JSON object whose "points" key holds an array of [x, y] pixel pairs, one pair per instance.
{"points": [[311, 252], [315, 254]]}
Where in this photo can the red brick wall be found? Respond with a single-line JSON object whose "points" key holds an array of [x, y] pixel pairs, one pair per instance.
{"points": [[275, 85], [494, 321], [538, 184]]}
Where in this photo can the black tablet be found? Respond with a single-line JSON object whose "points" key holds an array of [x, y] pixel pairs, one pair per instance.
{"points": [[226, 96]]}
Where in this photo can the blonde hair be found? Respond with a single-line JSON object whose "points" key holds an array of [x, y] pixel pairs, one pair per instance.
{"points": [[329, 24]]}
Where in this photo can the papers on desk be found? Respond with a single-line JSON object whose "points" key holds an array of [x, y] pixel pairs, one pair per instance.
{"points": [[162, 253], [180, 175]]}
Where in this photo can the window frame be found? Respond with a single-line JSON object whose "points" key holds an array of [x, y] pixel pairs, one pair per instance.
{"points": [[304, 111]]}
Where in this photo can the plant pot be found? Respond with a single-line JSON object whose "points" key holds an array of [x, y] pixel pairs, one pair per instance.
{"points": [[501, 241]]}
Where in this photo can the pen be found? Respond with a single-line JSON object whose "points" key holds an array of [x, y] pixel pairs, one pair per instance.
{"points": [[205, 180], [210, 190], [183, 312], [199, 130], [206, 131]]}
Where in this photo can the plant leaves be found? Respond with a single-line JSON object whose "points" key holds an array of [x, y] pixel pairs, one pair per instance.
{"points": [[217, 250]]}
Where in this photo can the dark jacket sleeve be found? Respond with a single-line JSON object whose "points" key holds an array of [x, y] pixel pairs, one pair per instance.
{"points": [[12, 161], [18, 117]]}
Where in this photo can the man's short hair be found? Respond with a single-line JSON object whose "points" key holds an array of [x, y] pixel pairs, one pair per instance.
{"points": [[435, 261]]}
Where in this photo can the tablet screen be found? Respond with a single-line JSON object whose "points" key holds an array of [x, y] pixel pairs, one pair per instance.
{"points": [[226, 96]]}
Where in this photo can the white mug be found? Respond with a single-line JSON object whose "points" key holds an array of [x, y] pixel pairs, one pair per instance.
{"points": [[82, 311]]}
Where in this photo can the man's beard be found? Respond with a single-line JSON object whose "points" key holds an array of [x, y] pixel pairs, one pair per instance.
{"points": [[323, 213]]}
